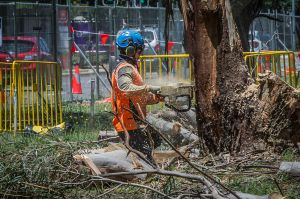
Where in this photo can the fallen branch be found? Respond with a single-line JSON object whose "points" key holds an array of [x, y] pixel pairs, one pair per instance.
{"points": [[185, 158], [292, 168], [210, 186], [172, 130], [45, 188], [109, 191], [88, 162], [215, 193], [110, 135], [273, 195], [94, 178]]}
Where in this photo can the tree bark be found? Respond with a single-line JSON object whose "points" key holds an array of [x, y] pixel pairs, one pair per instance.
{"points": [[232, 111]]}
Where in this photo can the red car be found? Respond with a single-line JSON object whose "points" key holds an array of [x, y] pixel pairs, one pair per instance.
{"points": [[27, 47]]}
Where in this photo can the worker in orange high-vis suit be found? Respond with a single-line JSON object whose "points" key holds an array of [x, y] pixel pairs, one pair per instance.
{"points": [[130, 95]]}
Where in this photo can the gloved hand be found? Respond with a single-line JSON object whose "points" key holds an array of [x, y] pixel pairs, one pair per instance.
{"points": [[153, 89], [160, 98]]}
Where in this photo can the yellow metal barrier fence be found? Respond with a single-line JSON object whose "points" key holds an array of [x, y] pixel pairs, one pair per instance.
{"points": [[282, 63], [178, 67], [30, 95]]}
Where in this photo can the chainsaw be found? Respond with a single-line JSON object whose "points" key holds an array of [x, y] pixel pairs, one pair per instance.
{"points": [[177, 96]]}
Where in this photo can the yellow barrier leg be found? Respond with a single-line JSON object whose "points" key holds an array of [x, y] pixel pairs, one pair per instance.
{"points": [[32, 97], [42, 93], [51, 96]]}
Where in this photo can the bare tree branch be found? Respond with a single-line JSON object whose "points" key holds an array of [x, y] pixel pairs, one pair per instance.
{"points": [[185, 158], [268, 17], [209, 185], [109, 191]]}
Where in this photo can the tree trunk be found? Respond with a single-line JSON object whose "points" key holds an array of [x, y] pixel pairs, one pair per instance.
{"points": [[231, 109]]}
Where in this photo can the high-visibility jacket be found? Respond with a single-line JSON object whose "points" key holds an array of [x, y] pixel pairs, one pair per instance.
{"points": [[124, 102]]}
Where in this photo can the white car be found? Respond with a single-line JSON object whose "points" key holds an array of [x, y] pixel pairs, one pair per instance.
{"points": [[150, 38], [257, 45], [152, 43]]}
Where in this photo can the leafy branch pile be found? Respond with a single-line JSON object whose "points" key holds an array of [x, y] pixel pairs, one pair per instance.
{"points": [[43, 167], [36, 167]]}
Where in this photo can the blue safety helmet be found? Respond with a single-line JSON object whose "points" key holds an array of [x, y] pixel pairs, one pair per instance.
{"points": [[130, 38]]}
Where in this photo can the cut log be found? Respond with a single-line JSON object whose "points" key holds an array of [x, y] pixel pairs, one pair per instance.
{"points": [[190, 116], [167, 156], [168, 115], [178, 134], [116, 161], [88, 162], [273, 195], [187, 118], [109, 134], [293, 168], [115, 158]]}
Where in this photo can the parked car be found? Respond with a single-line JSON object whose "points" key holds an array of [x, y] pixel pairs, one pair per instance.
{"points": [[258, 45], [151, 39], [29, 48], [152, 43]]}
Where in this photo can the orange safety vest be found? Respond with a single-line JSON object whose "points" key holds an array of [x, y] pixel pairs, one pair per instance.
{"points": [[122, 101]]}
